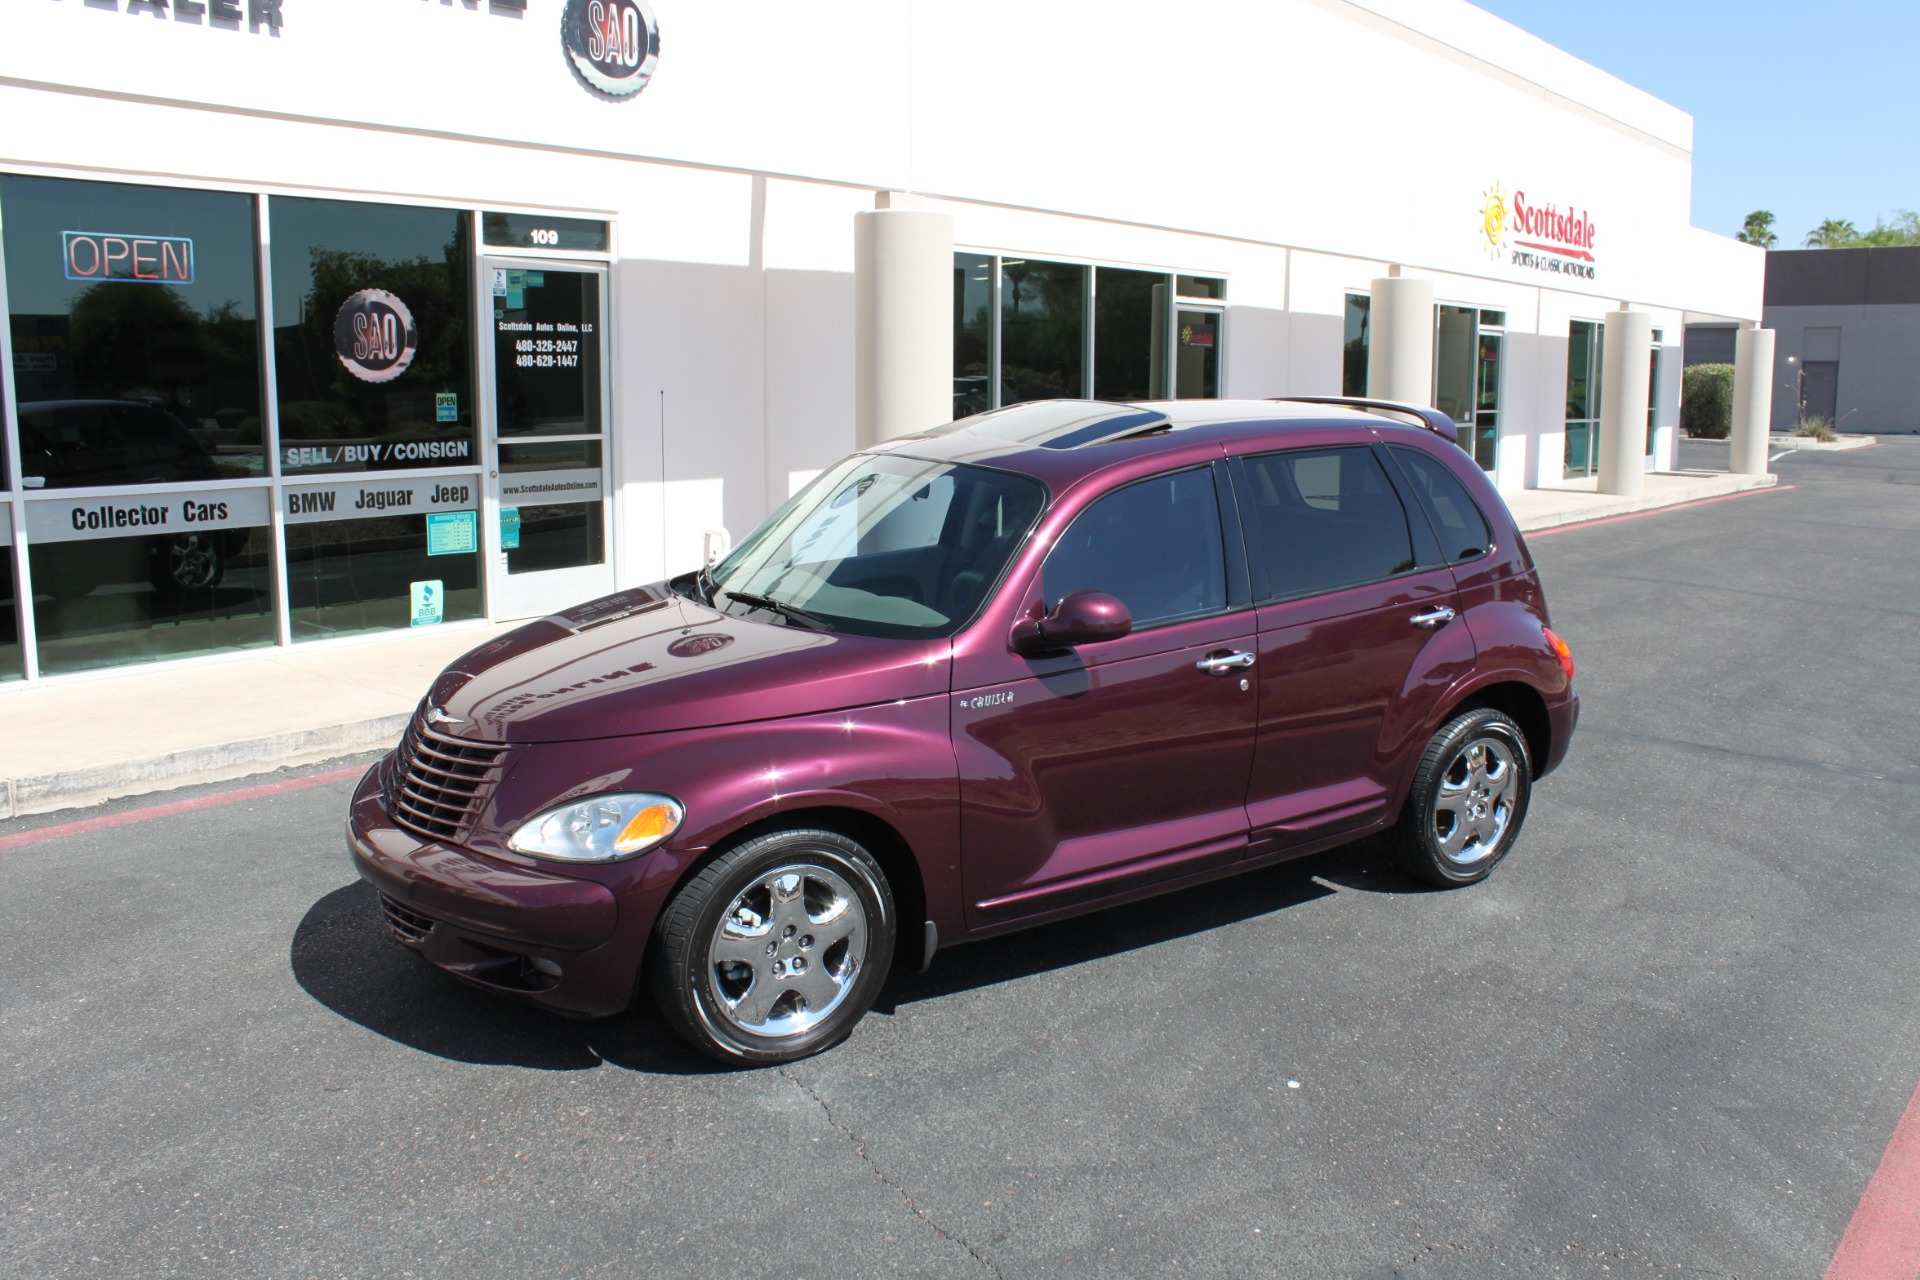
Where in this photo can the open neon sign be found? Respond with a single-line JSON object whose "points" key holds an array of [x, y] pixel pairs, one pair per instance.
{"points": [[96, 255]]}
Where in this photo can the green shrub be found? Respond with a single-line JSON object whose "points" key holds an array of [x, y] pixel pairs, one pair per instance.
{"points": [[1706, 401], [1817, 428]]}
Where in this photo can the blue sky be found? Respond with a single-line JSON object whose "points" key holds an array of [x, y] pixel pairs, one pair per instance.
{"points": [[1806, 109]]}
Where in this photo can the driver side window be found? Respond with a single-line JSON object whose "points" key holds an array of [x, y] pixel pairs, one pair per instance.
{"points": [[1155, 546]]}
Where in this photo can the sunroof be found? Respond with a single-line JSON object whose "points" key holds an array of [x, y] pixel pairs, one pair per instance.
{"points": [[1060, 424]]}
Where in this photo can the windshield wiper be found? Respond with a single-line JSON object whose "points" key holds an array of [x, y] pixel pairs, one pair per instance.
{"points": [[781, 607]]}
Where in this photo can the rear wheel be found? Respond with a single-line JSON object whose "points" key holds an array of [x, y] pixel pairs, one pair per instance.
{"points": [[1468, 800], [776, 948]]}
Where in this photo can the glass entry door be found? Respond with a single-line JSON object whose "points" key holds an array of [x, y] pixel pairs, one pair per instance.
{"points": [[547, 505]]}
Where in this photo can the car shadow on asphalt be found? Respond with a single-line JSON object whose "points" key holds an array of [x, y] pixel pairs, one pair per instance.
{"points": [[1365, 866], [343, 956]]}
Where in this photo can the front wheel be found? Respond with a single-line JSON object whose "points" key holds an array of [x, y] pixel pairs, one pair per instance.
{"points": [[776, 948], [1468, 800]]}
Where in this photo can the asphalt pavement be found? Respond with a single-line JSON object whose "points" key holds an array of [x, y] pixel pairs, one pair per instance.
{"points": [[1671, 1036]]}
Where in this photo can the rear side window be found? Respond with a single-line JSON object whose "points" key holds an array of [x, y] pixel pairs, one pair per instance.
{"points": [[1155, 546], [1322, 519], [1463, 530]]}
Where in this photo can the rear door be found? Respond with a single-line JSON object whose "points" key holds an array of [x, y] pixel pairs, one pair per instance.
{"points": [[1358, 636]]}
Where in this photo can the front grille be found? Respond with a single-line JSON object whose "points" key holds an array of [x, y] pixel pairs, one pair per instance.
{"points": [[436, 783], [406, 925]]}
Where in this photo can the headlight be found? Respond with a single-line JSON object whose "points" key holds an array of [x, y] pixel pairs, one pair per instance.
{"points": [[600, 829]]}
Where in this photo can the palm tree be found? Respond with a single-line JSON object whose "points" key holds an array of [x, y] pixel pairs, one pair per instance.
{"points": [[1759, 229], [1834, 233]]}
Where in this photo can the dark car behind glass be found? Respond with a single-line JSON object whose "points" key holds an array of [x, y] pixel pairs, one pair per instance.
{"points": [[84, 444], [1040, 661]]}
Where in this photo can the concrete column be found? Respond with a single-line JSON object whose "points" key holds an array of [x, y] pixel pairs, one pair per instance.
{"points": [[1624, 370], [1752, 398], [902, 319], [1400, 340]]}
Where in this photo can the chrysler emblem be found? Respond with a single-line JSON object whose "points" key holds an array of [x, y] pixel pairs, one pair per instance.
{"points": [[438, 715]]}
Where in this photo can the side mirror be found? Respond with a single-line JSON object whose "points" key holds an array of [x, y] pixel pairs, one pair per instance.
{"points": [[1081, 617]]}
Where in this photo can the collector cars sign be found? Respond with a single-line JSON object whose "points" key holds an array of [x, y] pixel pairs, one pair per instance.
{"points": [[612, 44]]}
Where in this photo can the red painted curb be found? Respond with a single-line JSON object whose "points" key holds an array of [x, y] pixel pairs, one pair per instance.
{"points": [[1883, 1240], [1653, 511], [110, 821]]}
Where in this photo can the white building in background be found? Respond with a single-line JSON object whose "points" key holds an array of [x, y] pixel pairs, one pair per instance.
{"points": [[332, 316]]}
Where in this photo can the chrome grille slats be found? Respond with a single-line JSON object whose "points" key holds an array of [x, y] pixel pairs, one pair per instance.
{"points": [[436, 783]]}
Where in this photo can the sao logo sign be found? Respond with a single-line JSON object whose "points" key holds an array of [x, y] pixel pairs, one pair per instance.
{"points": [[374, 337], [612, 44]]}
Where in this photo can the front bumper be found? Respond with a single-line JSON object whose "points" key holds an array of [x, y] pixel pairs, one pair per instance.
{"points": [[521, 931]]}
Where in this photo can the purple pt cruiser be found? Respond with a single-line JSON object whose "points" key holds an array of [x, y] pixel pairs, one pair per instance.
{"points": [[1030, 664]]}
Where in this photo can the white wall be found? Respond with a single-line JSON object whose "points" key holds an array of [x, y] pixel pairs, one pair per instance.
{"points": [[1296, 147], [1372, 129]]}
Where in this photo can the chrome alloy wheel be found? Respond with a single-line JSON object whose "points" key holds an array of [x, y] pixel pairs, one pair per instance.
{"points": [[788, 950], [193, 561], [1474, 806]]}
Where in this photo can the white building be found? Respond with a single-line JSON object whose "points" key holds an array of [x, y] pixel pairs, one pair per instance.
{"points": [[273, 219]]}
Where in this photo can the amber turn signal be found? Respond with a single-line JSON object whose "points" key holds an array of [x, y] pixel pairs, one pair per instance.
{"points": [[1560, 651]]}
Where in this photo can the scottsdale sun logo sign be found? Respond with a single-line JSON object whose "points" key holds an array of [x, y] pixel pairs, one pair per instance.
{"points": [[1561, 240]]}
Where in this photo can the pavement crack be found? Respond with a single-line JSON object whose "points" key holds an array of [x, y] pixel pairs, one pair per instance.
{"points": [[859, 1146]]}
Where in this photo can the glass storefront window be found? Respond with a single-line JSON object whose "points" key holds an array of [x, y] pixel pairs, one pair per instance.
{"points": [[1129, 334], [1453, 363], [1138, 345], [1486, 418], [372, 349], [108, 602], [1653, 389], [1200, 287], [1353, 345], [140, 296], [1043, 310], [972, 325], [1466, 376], [351, 576], [1583, 398], [10, 668], [1197, 359]]}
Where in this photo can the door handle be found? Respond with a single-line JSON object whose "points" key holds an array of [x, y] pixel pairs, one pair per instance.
{"points": [[1218, 664], [1433, 619]]}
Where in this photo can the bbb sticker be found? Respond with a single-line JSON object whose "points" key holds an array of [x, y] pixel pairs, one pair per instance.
{"points": [[374, 336], [612, 44]]}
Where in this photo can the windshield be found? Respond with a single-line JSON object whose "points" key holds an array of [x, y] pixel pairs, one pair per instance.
{"points": [[881, 545]]}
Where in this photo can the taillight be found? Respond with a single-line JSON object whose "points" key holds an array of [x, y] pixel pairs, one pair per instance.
{"points": [[1560, 651]]}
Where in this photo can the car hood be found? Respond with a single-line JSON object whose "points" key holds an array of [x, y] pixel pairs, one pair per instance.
{"points": [[650, 660]]}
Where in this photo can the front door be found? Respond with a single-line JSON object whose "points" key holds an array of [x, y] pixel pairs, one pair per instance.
{"points": [[547, 500]]}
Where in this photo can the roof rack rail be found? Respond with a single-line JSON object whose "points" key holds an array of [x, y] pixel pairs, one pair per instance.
{"points": [[1432, 419]]}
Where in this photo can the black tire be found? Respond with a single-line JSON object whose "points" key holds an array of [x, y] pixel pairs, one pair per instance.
{"points": [[776, 948], [1468, 801]]}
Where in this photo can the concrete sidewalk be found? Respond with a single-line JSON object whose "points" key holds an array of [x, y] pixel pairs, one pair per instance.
{"points": [[83, 740]]}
